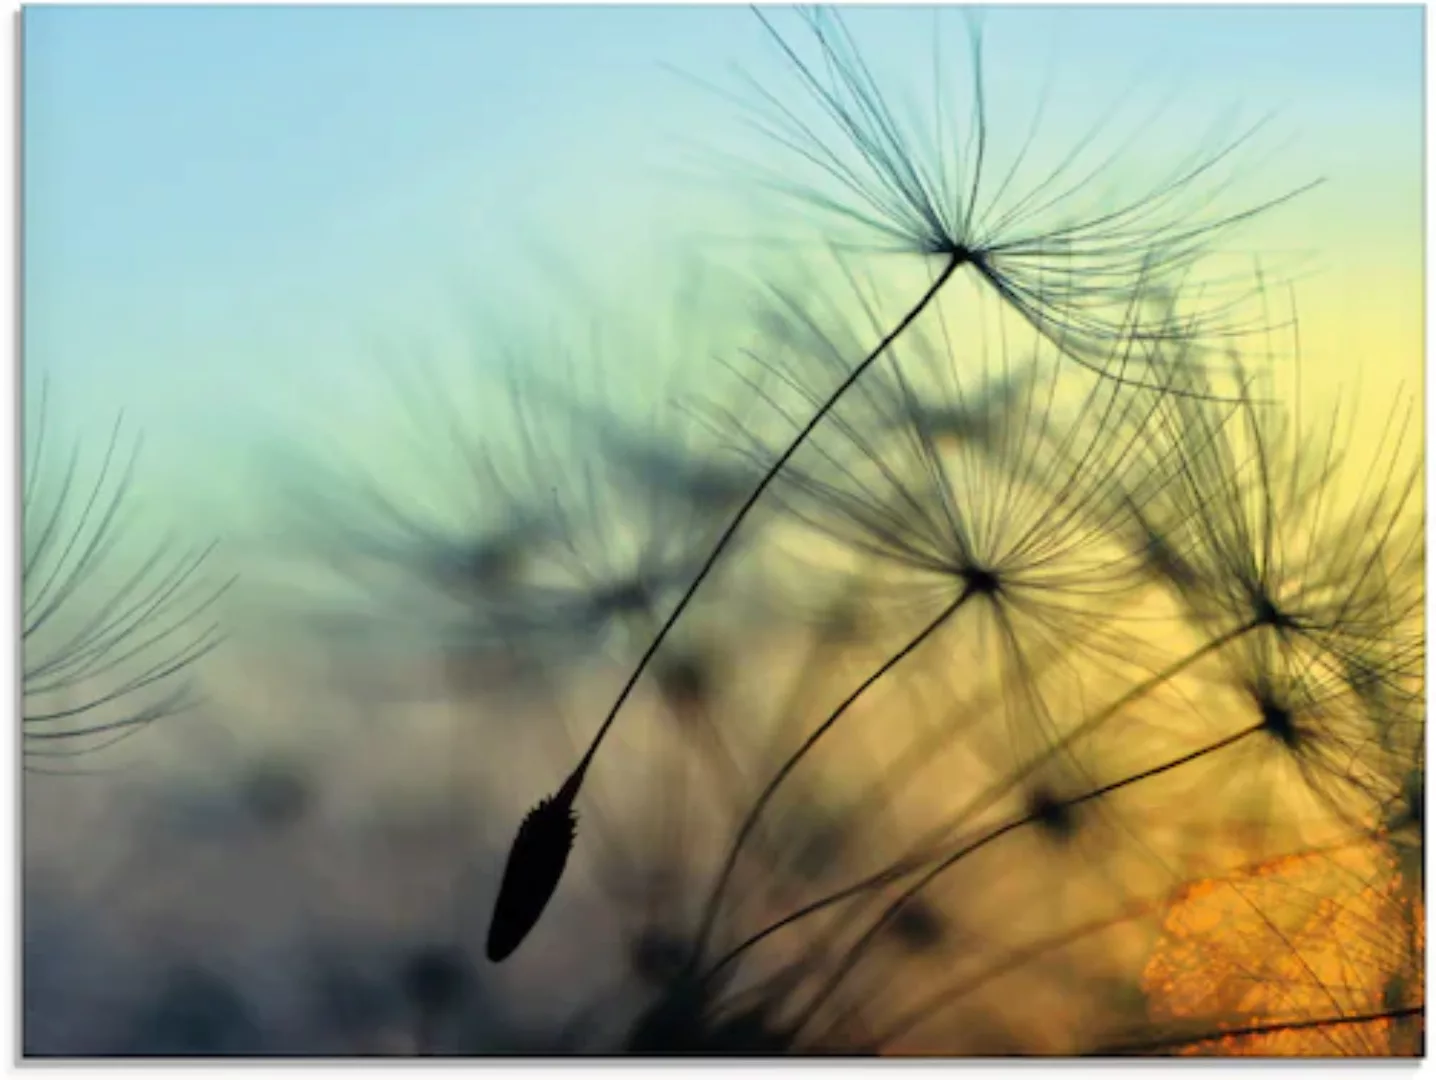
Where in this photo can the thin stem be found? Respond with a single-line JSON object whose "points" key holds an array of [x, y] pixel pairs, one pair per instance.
{"points": [[913, 863], [929, 1006], [750, 822], [996, 834], [1263, 1029], [1011, 961], [722, 543]]}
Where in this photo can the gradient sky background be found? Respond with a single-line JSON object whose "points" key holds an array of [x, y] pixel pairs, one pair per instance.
{"points": [[223, 204], [229, 213]]}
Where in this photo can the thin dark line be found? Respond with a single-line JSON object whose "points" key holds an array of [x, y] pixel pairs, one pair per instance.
{"points": [[725, 875], [576, 778], [1263, 1029]]}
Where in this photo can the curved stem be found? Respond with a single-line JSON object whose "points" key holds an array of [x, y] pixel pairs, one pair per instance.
{"points": [[1276, 1028], [766, 796], [996, 834], [930, 1005], [912, 864], [1011, 961], [723, 540]]}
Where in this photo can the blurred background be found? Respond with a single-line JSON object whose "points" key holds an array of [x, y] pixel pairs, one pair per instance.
{"points": [[283, 241]]}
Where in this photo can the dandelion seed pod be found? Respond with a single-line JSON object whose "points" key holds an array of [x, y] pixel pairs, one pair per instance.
{"points": [[536, 863]]}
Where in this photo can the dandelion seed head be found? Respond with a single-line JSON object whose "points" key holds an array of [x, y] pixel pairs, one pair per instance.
{"points": [[1059, 249], [917, 926], [634, 597], [1055, 817], [1279, 723], [981, 581], [1265, 612], [688, 680], [494, 565], [941, 476], [112, 623]]}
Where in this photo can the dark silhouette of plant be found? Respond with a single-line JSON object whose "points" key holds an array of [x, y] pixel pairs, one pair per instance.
{"points": [[549, 530], [1353, 592], [1118, 254], [1048, 684], [1061, 251], [109, 637], [971, 515]]}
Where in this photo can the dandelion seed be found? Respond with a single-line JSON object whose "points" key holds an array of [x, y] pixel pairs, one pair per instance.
{"points": [[547, 541], [687, 681], [1317, 733], [1274, 535], [1009, 531], [1064, 260], [107, 649], [1051, 814], [917, 925], [1014, 514]]}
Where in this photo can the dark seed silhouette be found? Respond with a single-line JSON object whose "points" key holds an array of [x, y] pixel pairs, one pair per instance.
{"points": [[536, 863]]}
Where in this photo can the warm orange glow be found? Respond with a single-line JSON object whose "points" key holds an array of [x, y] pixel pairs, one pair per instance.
{"points": [[1291, 941]]}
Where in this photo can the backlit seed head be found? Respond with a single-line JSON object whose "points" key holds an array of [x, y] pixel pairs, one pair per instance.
{"points": [[917, 925], [1051, 814], [1278, 722]]}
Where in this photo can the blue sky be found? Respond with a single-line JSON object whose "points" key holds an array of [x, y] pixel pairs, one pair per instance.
{"points": [[221, 203]]}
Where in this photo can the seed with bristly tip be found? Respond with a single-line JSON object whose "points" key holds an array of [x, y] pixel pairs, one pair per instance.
{"points": [[536, 863]]}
